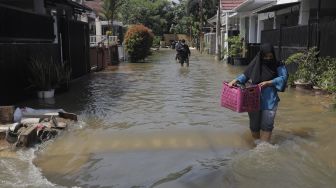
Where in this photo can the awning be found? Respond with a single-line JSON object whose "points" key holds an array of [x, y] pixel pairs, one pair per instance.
{"points": [[278, 7], [79, 6], [213, 19], [76, 6], [250, 5]]}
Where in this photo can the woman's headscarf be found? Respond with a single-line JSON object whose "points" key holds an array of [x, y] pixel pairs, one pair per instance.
{"points": [[260, 70]]}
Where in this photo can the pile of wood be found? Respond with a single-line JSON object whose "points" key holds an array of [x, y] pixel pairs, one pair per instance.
{"points": [[32, 128]]}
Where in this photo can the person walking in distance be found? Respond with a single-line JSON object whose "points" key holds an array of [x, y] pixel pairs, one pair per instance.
{"points": [[183, 53]]}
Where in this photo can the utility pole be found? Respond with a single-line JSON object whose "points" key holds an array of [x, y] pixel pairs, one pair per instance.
{"points": [[201, 25], [190, 34], [218, 34]]}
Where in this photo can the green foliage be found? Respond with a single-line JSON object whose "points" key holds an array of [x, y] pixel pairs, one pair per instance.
{"points": [[154, 14], [308, 68], [317, 71], [235, 46], [44, 73], [157, 40], [138, 41], [109, 33], [64, 73], [110, 8], [165, 16], [327, 79], [295, 58], [186, 16], [182, 22], [209, 8]]}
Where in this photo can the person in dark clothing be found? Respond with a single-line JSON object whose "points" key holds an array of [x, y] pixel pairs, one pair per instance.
{"points": [[271, 76], [183, 53]]}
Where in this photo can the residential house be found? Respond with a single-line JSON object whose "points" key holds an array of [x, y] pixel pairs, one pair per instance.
{"points": [[39, 27], [98, 36], [99, 26], [290, 25], [229, 25]]}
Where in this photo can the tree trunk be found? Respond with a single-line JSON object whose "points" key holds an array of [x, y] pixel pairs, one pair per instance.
{"points": [[112, 18]]}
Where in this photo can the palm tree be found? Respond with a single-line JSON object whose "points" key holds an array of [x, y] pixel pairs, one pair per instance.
{"points": [[109, 10]]}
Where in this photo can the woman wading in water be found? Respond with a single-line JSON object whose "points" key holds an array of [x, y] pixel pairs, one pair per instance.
{"points": [[271, 76]]}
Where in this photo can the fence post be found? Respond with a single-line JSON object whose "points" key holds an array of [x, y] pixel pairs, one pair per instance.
{"points": [[280, 43], [308, 34], [318, 25], [97, 49]]}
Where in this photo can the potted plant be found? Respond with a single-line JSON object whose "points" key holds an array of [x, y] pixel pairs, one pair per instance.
{"points": [[308, 69], [64, 76], [236, 49], [225, 53], [43, 75]]}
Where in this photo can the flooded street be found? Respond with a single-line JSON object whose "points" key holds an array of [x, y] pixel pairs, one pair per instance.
{"points": [[159, 125]]}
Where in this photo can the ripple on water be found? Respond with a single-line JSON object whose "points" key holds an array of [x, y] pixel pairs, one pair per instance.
{"points": [[159, 124]]}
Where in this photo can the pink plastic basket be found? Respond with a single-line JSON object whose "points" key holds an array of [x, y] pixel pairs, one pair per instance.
{"points": [[241, 100]]}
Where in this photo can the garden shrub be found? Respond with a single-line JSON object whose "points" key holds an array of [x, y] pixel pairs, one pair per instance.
{"points": [[235, 46], [308, 68], [320, 72], [138, 40], [294, 59], [327, 79]]}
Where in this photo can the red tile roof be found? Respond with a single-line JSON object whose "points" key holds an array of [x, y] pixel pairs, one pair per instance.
{"points": [[96, 5], [230, 4]]}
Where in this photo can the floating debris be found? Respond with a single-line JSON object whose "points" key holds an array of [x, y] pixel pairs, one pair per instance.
{"points": [[26, 127]]}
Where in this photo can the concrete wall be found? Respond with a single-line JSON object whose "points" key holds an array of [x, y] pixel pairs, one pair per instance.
{"points": [[253, 26], [171, 37], [210, 43]]}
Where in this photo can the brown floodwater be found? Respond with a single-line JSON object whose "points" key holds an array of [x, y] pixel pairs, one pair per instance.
{"points": [[159, 125]]}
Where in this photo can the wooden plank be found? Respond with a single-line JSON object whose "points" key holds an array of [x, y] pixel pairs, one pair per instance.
{"points": [[28, 136], [42, 116], [6, 114], [2, 134], [67, 115]]}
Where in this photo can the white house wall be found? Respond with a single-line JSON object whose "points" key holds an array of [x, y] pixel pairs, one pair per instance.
{"points": [[98, 29], [304, 12], [242, 27], [257, 23], [286, 1], [253, 21]]}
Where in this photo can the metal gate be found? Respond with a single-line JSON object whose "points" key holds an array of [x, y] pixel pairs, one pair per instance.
{"points": [[75, 48]]}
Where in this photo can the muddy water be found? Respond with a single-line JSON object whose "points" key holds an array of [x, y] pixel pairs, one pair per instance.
{"points": [[159, 125]]}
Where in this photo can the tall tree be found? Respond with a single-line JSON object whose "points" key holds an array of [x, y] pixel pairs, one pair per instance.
{"points": [[109, 10], [203, 9], [154, 14]]}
